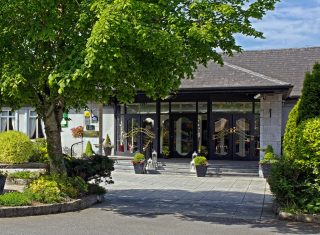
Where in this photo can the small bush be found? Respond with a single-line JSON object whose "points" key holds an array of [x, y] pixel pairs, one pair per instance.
{"points": [[53, 188], [40, 151], [269, 158], [15, 147], [138, 158], [24, 175], [96, 189], [46, 190], [96, 168], [89, 151], [200, 161], [16, 199]]}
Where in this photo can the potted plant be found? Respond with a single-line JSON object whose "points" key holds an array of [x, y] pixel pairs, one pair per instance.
{"points": [[165, 152], [107, 146], [3, 177], [138, 163], [267, 161], [201, 164]]}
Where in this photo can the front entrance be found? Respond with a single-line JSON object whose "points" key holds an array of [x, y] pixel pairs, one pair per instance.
{"points": [[233, 136], [140, 133], [184, 134]]}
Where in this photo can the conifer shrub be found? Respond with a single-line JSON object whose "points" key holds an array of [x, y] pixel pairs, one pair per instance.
{"points": [[290, 136], [310, 100], [89, 151], [15, 147]]}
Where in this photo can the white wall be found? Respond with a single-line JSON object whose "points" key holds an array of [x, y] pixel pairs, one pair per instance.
{"points": [[271, 122]]}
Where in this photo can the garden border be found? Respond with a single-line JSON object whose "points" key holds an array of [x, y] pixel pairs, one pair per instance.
{"points": [[300, 217], [75, 205]]}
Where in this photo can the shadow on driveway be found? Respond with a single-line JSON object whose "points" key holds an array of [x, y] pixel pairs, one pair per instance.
{"points": [[222, 207]]}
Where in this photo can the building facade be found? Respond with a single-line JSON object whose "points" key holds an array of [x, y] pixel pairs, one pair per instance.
{"points": [[228, 112]]}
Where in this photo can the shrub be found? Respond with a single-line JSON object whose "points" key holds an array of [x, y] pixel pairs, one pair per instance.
{"points": [[308, 144], [40, 151], [165, 151], [96, 189], [290, 135], [138, 158], [310, 102], [200, 161], [269, 158], [89, 151], [77, 132], [96, 168], [16, 199], [46, 190], [107, 142], [296, 185], [15, 147], [203, 151], [24, 175], [54, 188]]}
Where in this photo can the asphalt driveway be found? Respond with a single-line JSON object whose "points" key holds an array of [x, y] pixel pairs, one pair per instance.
{"points": [[234, 198]]}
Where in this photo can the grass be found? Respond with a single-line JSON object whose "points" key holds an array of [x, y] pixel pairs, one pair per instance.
{"points": [[16, 199]]}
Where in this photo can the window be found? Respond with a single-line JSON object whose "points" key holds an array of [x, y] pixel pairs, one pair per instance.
{"points": [[7, 120], [35, 126]]}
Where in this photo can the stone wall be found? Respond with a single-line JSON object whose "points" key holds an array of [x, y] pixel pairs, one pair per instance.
{"points": [[271, 122]]}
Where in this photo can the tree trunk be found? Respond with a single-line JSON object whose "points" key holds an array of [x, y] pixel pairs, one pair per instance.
{"points": [[52, 122]]}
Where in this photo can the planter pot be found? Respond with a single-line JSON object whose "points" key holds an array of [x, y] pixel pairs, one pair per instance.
{"points": [[265, 169], [107, 151], [138, 168], [201, 170], [2, 183]]}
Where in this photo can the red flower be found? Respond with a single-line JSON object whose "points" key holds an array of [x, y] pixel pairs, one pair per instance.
{"points": [[77, 132]]}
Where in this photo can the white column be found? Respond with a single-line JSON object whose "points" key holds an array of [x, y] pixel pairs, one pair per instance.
{"points": [[270, 122]]}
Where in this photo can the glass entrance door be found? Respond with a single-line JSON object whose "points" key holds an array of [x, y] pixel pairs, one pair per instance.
{"points": [[233, 136], [183, 136], [140, 134]]}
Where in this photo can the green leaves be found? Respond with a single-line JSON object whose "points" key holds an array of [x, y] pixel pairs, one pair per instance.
{"points": [[114, 47]]}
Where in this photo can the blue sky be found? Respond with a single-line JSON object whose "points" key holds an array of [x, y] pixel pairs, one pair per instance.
{"points": [[294, 23]]}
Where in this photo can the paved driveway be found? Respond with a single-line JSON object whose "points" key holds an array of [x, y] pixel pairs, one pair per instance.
{"points": [[234, 198]]}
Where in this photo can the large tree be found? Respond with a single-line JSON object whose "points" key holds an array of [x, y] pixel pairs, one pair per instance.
{"points": [[59, 54]]}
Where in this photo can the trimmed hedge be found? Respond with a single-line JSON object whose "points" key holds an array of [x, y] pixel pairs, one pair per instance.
{"points": [[15, 147]]}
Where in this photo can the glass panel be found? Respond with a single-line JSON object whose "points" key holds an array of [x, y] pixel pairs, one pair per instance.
{"points": [[165, 135], [132, 135], [33, 114], [242, 137], [183, 136], [257, 107], [202, 107], [257, 136], [221, 136], [5, 113], [202, 135], [164, 107], [183, 107], [120, 132], [3, 124], [40, 131], [141, 108], [148, 136], [243, 107], [32, 128]]}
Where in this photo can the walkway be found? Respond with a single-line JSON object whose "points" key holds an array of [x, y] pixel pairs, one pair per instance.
{"points": [[239, 198]]}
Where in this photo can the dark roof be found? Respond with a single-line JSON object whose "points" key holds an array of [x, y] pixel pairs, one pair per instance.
{"points": [[276, 69]]}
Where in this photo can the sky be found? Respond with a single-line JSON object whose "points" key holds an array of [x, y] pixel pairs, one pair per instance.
{"points": [[293, 24]]}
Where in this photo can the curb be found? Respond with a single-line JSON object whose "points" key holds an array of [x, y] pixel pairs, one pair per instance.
{"points": [[307, 218], [76, 205]]}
